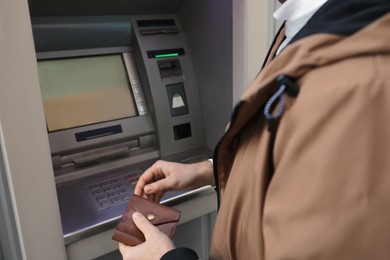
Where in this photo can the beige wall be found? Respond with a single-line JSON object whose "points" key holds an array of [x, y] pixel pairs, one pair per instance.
{"points": [[24, 139], [253, 30]]}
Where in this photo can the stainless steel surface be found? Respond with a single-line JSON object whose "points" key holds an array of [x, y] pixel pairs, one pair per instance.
{"points": [[81, 214], [170, 200]]}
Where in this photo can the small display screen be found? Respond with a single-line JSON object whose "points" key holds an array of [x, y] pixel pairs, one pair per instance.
{"points": [[85, 90]]}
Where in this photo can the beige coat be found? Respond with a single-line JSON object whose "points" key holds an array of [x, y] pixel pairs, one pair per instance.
{"points": [[322, 189]]}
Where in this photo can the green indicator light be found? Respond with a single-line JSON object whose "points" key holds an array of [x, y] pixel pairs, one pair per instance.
{"points": [[167, 55]]}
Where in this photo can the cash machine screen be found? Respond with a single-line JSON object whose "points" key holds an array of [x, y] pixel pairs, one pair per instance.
{"points": [[85, 90]]}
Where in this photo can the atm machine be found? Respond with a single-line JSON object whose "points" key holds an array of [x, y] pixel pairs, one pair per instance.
{"points": [[119, 93], [149, 80]]}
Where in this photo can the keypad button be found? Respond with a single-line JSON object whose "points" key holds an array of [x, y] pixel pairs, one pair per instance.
{"points": [[98, 192], [105, 184], [118, 186], [100, 197], [111, 194], [126, 196], [109, 188], [94, 187], [105, 203], [134, 81], [114, 182], [116, 199], [122, 191]]}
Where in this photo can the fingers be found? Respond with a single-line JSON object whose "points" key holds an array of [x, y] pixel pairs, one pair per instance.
{"points": [[153, 181], [146, 177], [150, 175], [139, 188], [153, 191]]}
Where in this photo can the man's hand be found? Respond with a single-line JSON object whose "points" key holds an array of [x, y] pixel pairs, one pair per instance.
{"points": [[155, 246], [166, 176]]}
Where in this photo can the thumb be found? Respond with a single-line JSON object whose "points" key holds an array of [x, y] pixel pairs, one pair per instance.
{"points": [[143, 224]]}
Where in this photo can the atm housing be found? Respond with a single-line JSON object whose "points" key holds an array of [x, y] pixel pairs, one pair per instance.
{"points": [[97, 163]]}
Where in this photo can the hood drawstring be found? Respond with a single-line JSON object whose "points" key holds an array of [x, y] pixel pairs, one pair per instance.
{"points": [[286, 84]]}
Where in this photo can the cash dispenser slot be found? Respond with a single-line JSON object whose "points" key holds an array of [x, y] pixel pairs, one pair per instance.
{"points": [[155, 23], [95, 155], [146, 32], [169, 68], [157, 26], [98, 156]]}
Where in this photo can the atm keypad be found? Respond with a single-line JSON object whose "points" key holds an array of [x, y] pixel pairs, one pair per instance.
{"points": [[110, 192]]}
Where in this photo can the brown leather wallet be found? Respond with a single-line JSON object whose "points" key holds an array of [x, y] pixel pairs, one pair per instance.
{"points": [[164, 218]]}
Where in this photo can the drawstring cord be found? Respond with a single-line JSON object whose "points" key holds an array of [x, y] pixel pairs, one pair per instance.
{"points": [[267, 109], [287, 85]]}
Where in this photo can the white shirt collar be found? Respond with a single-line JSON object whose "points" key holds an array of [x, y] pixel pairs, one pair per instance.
{"points": [[296, 13], [293, 9]]}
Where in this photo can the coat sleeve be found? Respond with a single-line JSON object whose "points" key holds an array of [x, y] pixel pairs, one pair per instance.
{"points": [[180, 254], [330, 193]]}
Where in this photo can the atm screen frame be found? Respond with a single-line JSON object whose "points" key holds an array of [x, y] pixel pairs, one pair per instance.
{"points": [[76, 138]]}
